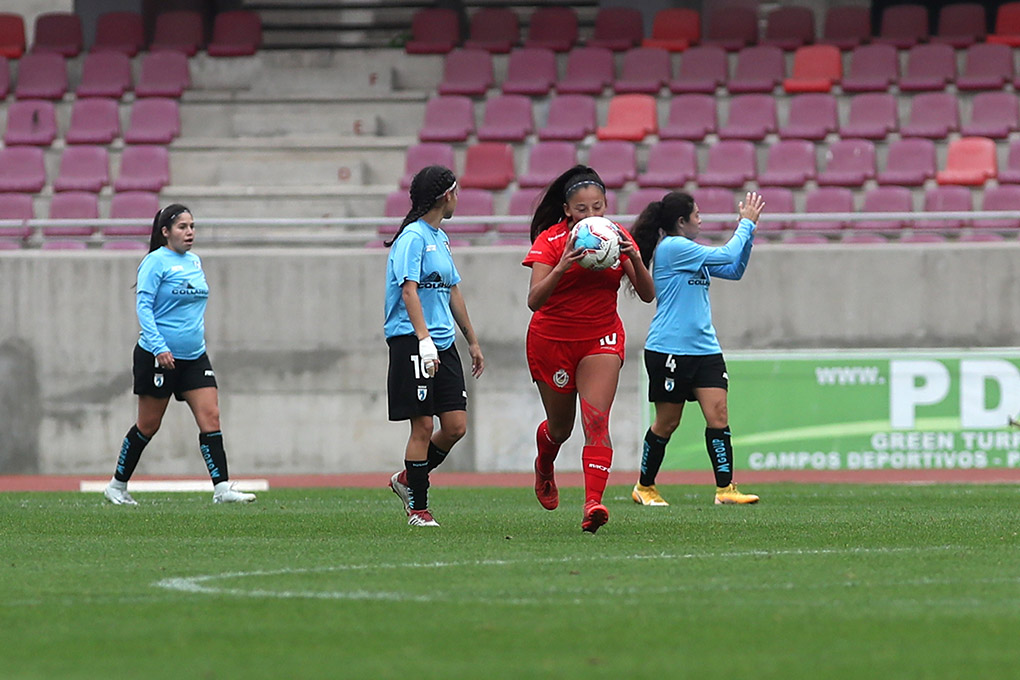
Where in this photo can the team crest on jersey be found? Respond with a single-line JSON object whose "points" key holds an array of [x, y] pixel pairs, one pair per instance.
{"points": [[423, 392], [560, 377], [447, 246], [157, 380], [669, 384]]}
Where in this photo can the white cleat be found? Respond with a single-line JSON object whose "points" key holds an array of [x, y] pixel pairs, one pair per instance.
{"points": [[116, 492], [402, 491], [224, 492]]}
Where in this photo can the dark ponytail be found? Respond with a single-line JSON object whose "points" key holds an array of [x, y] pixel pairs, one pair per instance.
{"points": [[660, 218], [427, 187], [164, 218], [550, 206]]}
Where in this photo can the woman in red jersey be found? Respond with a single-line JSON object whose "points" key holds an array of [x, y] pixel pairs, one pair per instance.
{"points": [[575, 340]]}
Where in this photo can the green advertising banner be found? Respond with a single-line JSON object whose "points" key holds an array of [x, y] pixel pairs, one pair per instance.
{"points": [[895, 409]]}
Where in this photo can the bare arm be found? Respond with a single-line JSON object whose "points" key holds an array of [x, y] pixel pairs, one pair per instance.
{"points": [[544, 278], [460, 314], [426, 348]]}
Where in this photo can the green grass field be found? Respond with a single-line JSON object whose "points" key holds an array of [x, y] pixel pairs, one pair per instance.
{"points": [[816, 581]]}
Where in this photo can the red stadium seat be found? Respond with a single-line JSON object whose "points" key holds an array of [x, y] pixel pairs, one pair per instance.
{"points": [[434, 30], [488, 165], [970, 161], [675, 29], [631, 117], [816, 68], [12, 35], [1007, 25], [236, 33], [119, 32]]}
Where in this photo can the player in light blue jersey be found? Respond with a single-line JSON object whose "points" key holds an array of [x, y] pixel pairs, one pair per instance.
{"points": [[170, 357], [682, 355], [423, 308]]}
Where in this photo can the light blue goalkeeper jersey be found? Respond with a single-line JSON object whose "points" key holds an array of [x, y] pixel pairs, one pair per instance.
{"points": [[170, 300], [682, 271]]}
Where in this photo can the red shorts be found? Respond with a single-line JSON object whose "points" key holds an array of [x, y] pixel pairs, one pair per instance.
{"points": [[554, 362]]}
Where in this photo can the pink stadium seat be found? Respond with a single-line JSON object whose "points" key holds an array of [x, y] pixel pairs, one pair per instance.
{"points": [[816, 68], [105, 74], [933, 115], [961, 24], [715, 201], [615, 161], [132, 245], [980, 237], [779, 200], [849, 162], [143, 168], [631, 117], [12, 35], [1007, 25], [63, 245], [847, 26], [790, 27], [58, 32], [494, 29], [179, 31], [471, 203], [467, 71], [751, 116], [986, 67], [93, 121], [507, 118], [522, 202], [423, 155], [1010, 174], [398, 203], [553, 28], [448, 119], [873, 68], [691, 116], [617, 28], [639, 199], [886, 199], [929, 67], [153, 121], [790, 163], [730, 163], [759, 69], [16, 207], [671, 163], [31, 121], [675, 29], [903, 26], [163, 74], [119, 32], [732, 27], [41, 75], [922, 237], [236, 33], [434, 30], [970, 161], [993, 114], [5, 77], [871, 116], [1004, 197], [943, 199], [530, 71], [645, 71], [488, 165], [864, 238], [589, 71], [73, 205], [813, 115], [140, 205], [546, 161], [22, 169], [826, 200], [571, 118], [909, 162], [702, 70], [83, 168], [8, 243]]}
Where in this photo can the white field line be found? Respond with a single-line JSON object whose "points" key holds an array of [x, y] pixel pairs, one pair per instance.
{"points": [[175, 485]]}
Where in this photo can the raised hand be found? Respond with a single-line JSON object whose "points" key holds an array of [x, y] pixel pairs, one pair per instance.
{"points": [[750, 208]]}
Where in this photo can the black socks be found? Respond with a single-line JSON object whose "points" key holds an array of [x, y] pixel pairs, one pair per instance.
{"points": [[720, 452], [130, 451], [211, 445], [651, 457]]}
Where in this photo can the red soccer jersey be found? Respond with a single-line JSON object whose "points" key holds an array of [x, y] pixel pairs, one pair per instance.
{"points": [[583, 304]]}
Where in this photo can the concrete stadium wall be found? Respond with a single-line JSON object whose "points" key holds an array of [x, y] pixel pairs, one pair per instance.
{"points": [[295, 336]]}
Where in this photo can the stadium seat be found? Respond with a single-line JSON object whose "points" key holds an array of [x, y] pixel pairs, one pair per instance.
{"points": [[847, 26], [93, 121], [471, 203], [7, 243], [970, 161], [886, 199], [730, 163], [12, 35], [236, 33], [779, 200], [552, 28], [961, 24], [571, 117], [1007, 25], [731, 27], [848, 163], [1003, 197], [631, 117], [751, 116], [5, 77], [488, 165], [41, 75], [32, 122], [153, 121], [105, 74], [675, 29], [645, 71], [15, 207], [494, 29], [58, 32], [871, 116], [589, 71], [909, 162], [922, 237], [178, 31], [22, 169], [863, 238], [617, 28], [715, 201], [522, 202], [546, 161], [933, 115], [398, 204], [132, 245], [163, 74], [467, 71], [980, 237], [434, 30], [903, 26], [423, 155], [530, 71], [615, 161], [825, 200], [873, 68], [447, 119], [759, 69], [72, 205], [929, 67], [83, 168], [702, 70], [143, 168], [993, 114], [691, 116], [639, 199], [63, 245], [1010, 174], [986, 67], [671, 164], [789, 163], [507, 118], [816, 68], [119, 32], [943, 199], [789, 27], [142, 205], [812, 115]]}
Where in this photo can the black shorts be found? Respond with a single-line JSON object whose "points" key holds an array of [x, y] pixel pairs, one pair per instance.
{"points": [[187, 375], [412, 393], [672, 378]]}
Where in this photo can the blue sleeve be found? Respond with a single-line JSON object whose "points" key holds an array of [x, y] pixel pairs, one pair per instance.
{"points": [[149, 276], [735, 270], [733, 250], [406, 255]]}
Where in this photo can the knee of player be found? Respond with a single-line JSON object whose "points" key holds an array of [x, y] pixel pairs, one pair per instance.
{"points": [[560, 433]]}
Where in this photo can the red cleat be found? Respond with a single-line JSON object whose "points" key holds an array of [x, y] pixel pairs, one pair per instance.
{"points": [[545, 489], [595, 515]]}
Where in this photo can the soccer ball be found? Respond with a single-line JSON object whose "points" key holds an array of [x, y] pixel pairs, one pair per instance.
{"points": [[601, 242]]}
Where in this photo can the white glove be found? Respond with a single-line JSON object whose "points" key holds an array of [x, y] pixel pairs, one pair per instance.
{"points": [[429, 355]]}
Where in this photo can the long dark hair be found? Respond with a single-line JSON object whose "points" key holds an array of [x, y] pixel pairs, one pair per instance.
{"points": [[660, 218], [550, 206], [427, 187], [164, 218]]}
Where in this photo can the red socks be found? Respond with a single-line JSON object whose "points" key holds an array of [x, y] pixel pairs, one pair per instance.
{"points": [[547, 448], [596, 461]]}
